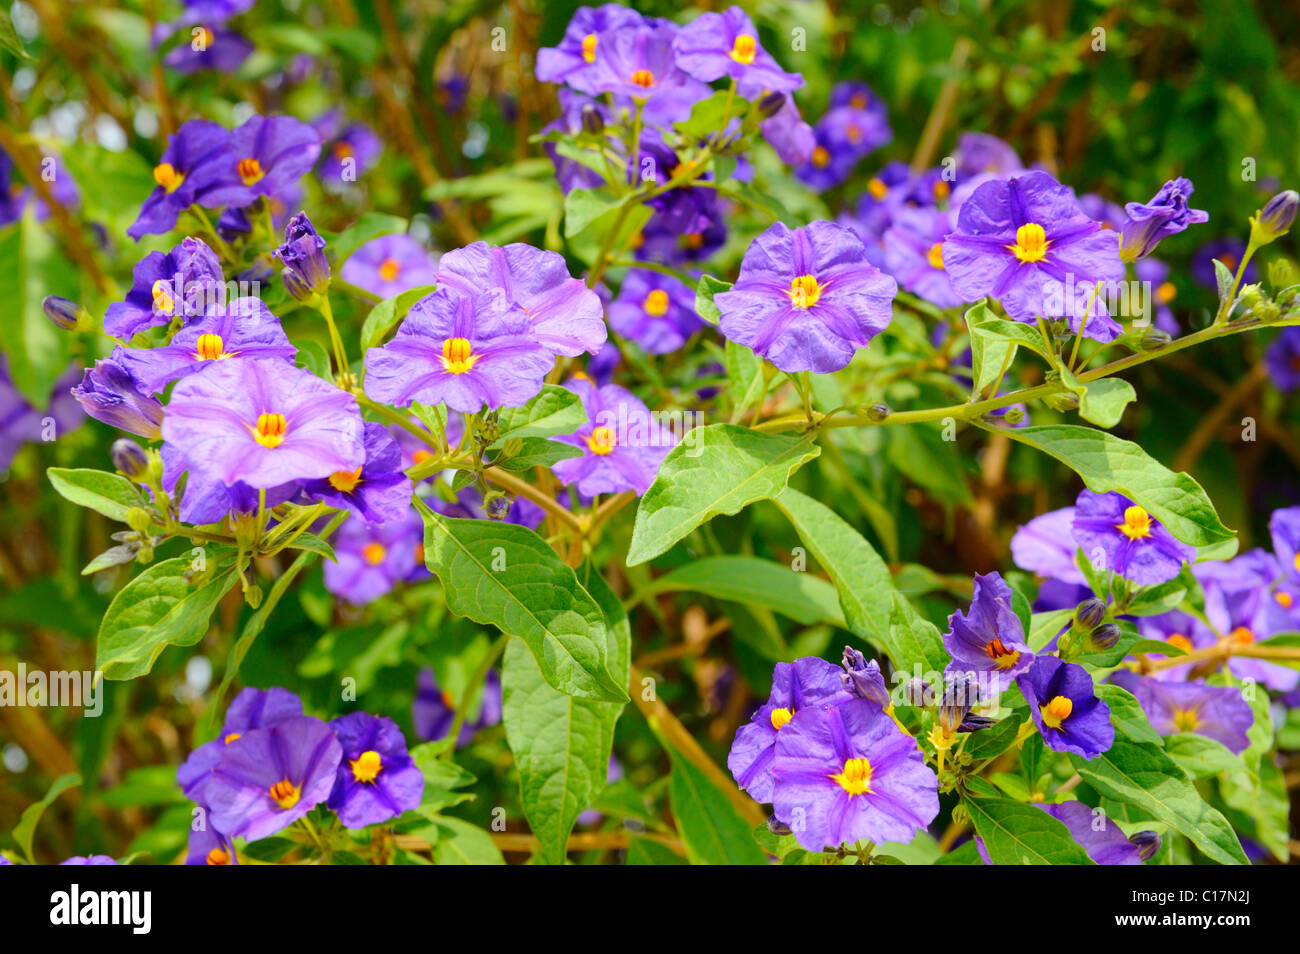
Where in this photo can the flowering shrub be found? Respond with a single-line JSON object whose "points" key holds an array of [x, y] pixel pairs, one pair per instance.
{"points": [[507, 490]]}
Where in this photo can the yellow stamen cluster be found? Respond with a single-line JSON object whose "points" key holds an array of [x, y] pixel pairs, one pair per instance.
{"points": [[389, 269], [1181, 641], [163, 302], [855, 777], [805, 291], [1136, 525], [285, 794], [602, 441], [168, 176], [1031, 243], [643, 78], [656, 303], [1056, 711], [270, 429], [217, 857], [1185, 720], [878, 189], [1002, 657], [744, 49], [457, 355], [250, 170], [781, 717], [821, 158], [374, 553], [589, 47], [367, 766], [935, 256], [210, 347], [345, 480]]}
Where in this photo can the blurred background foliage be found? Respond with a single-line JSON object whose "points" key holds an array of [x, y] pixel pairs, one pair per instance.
{"points": [[1113, 97]]}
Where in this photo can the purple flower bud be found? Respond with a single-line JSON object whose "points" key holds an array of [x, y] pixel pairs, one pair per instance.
{"points": [[771, 104], [306, 269], [64, 313], [1105, 636], [109, 393], [777, 827], [592, 120], [1166, 214], [862, 678], [1276, 218], [1090, 613], [129, 457], [1147, 844], [958, 697]]}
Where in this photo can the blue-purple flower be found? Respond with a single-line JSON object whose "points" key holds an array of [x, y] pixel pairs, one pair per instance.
{"points": [[346, 152], [1149, 223], [1218, 713], [208, 48], [251, 709], [566, 315], [389, 265], [179, 284], [571, 61], [914, 254], [196, 162], [807, 298], [787, 132], [377, 779], [378, 491], [1026, 242], [109, 392], [373, 558], [206, 499], [266, 156], [714, 45], [1283, 359], [1065, 708], [1118, 535], [434, 709], [1100, 837], [809, 682], [462, 349], [622, 444], [845, 773], [639, 63], [991, 638], [655, 310], [264, 422], [306, 269]]}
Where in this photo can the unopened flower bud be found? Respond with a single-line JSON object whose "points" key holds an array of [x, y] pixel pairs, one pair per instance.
{"points": [[1153, 339], [65, 314], [592, 121], [1275, 219], [918, 693], [771, 104], [306, 269], [129, 458], [1105, 636], [862, 678], [958, 698], [777, 827], [1090, 613], [1147, 844], [1062, 401], [877, 412]]}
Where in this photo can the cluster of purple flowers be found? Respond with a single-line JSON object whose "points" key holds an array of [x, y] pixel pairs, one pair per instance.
{"points": [[272, 764]]}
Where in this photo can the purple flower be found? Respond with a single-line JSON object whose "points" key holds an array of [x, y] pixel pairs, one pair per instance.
{"points": [[207, 846], [567, 316], [1180, 630], [243, 329], [434, 709], [655, 310], [110, 393], [788, 133], [21, 423], [1064, 707], [377, 780], [89, 860], [1026, 242], [982, 154], [272, 777], [263, 422], [464, 350], [1166, 214], [714, 45], [574, 106], [639, 63], [208, 48], [267, 156], [373, 558], [622, 444], [809, 682], [1216, 713], [1044, 546], [806, 299], [914, 255], [1155, 274], [571, 61], [346, 153], [389, 265], [306, 269], [830, 162], [991, 639], [1227, 250], [846, 773], [1238, 605], [378, 491], [197, 160], [1284, 529], [1105, 843], [1283, 359], [1116, 534], [180, 284], [251, 709], [207, 499]]}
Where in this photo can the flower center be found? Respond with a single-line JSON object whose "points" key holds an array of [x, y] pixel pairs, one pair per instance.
{"points": [[389, 269], [1283, 599], [804, 291], [345, 480], [1056, 711], [233, 737], [781, 717], [693, 240], [209, 347], [602, 441], [367, 766], [940, 190], [858, 101], [1242, 636], [935, 256], [643, 78], [1136, 525], [285, 794], [821, 158], [270, 429], [1002, 657], [1166, 293], [250, 170], [168, 176], [878, 189], [589, 48], [656, 303], [217, 857], [163, 302], [457, 356], [1181, 641], [1296, 561], [374, 553], [420, 456], [743, 50], [855, 777], [342, 149], [1185, 720], [853, 132], [1031, 243]]}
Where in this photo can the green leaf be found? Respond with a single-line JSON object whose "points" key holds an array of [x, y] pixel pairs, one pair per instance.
{"points": [[1107, 463], [914, 640], [507, 576], [1126, 714], [860, 576], [745, 379], [1015, 833], [555, 410], [1141, 774], [707, 116], [31, 815], [442, 778], [994, 740], [990, 353], [704, 306], [647, 851], [1103, 402], [157, 609], [309, 541], [460, 843], [531, 452], [110, 494], [32, 267], [711, 828], [721, 470], [369, 226], [9, 37], [756, 582], [988, 325], [1200, 756], [388, 313]]}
